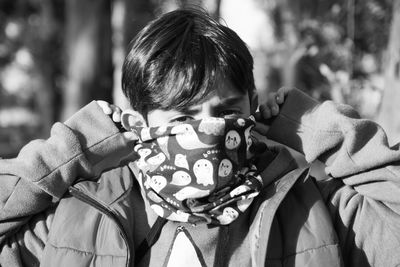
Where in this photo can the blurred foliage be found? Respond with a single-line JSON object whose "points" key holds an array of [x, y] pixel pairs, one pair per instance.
{"points": [[337, 53], [30, 64], [339, 49]]}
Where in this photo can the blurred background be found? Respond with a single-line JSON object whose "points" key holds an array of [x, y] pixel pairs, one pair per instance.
{"points": [[58, 55]]}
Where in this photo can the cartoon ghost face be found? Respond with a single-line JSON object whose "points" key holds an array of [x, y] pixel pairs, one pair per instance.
{"points": [[181, 161], [182, 128], [231, 212], [203, 170], [225, 168], [157, 159], [181, 178], [187, 137], [232, 140], [157, 182], [228, 215]]}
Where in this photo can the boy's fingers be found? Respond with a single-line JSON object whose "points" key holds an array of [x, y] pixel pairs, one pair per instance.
{"points": [[261, 128], [116, 116], [265, 111], [104, 106], [280, 97], [282, 93], [272, 104], [257, 115], [275, 110]]}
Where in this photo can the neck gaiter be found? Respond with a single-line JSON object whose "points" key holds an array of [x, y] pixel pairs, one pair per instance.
{"points": [[198, 172]]}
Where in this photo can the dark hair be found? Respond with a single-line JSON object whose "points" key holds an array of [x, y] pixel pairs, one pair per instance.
{"points": [[174, 61]]}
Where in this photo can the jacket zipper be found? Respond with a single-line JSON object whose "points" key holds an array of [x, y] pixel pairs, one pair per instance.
{"points": [[106, 211]]}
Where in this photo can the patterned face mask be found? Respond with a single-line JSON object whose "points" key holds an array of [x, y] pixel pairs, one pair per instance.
{"points": [[199, 172]]}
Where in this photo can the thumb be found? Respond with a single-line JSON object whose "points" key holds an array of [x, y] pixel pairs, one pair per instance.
{"points": [[260, 118], [261, 128]]}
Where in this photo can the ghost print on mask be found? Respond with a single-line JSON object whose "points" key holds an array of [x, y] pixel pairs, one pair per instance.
{"points": [[157, 159], [232, 140], [212, 126], [154, 197], [190, 192], [241, 122], [225, 168], [163, 144], [228, 215], [187, 137], [181, 161], [157, 182], [204, 172], [181, 178], [192, 170]]}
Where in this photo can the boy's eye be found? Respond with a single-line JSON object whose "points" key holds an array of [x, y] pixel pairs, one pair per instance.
{"points": [[181, 119], [230, 113]]}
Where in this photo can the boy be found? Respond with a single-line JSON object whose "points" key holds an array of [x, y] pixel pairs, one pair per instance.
{"points": [[181, 188]]}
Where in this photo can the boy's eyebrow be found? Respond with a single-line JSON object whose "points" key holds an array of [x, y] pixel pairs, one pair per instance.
{"points": [[189, 111], [232, 100], [224, 103]]}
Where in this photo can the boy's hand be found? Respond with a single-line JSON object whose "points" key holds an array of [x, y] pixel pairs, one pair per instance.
{"points": [[115, 114], [270, 108], [111, 110]]}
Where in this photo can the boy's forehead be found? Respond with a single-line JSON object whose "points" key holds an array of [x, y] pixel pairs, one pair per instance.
{"points": [[224, 88], [223, 93], [218, 102]]}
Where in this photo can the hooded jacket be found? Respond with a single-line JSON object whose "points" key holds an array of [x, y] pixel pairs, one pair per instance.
{"points": [[73, 200]]}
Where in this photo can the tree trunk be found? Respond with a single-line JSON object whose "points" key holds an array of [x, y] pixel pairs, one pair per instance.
{"points": [[46, 66], [390, 108], [135, 15], [88, 54], [138, 13]]}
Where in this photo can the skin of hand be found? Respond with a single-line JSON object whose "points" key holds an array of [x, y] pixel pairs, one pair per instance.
{"points": [[270, 108], [115, 113]]}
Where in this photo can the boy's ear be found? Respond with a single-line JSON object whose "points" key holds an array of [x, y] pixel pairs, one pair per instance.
{"points": [[131, 118]]}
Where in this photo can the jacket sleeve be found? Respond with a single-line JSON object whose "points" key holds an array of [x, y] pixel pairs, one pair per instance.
{"points": [[363, 194], [32, 183]]}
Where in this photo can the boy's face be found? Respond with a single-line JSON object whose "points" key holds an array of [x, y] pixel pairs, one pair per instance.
{"points": [[226, 101]]}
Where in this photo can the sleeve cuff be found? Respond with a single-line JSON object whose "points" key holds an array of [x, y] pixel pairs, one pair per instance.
{"points": [[285, 127], [97, 133]]}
